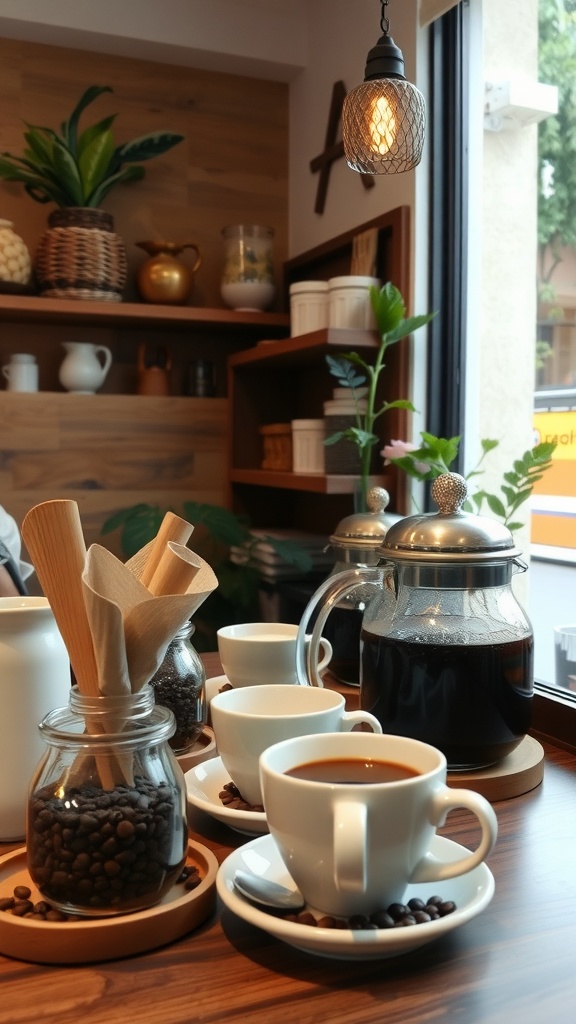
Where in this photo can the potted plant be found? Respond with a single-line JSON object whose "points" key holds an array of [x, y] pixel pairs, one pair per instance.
{"points": [[80, 256], [351, 371], [216, 531]]}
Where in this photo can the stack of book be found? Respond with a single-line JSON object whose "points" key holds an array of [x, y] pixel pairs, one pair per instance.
{"points": [[285, 554]]}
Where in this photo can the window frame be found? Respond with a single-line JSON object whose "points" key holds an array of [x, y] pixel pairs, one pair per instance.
{"points": [[554, 710]]}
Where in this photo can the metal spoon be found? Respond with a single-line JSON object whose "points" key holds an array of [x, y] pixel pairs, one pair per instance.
{"points": [[270, 894]]}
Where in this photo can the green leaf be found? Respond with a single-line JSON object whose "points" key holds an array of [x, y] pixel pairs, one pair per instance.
{"points": [[388, 306], [334, 438], [128, 174], [341, 368], [514, 526], [488, 445], [496, 506], [94, 159], [147, 146], [291, 552], [221, 522], [70, 127], [408, 326]]}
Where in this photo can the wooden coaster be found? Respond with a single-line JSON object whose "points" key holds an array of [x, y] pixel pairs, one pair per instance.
{"points": [[204, 748], [518, 773]]}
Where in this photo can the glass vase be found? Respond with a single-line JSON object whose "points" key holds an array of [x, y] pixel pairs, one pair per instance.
{"points": [[248, 274]]}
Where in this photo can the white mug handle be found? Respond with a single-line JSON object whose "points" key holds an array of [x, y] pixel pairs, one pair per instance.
{"points": [[6, 372], [351, 718], [107, 357], [430, 869]]}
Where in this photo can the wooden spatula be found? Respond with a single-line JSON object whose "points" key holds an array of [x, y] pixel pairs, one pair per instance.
{"points": [[53, 535]]}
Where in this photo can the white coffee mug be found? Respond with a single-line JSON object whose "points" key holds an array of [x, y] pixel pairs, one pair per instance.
{"points": [[353, 846], [248, 719], [259, 653], [21, 373]]}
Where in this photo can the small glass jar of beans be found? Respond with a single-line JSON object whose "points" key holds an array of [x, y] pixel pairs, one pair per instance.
{"points": [[106, 817], [179, 684]]}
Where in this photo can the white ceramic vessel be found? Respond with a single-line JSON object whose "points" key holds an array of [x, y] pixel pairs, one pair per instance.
{"points": [[34, 679], [84, 367]]}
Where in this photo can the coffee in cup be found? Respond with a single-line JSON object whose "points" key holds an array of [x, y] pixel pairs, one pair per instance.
{"points": [[248, 719], [259, 653], [354, 816]]}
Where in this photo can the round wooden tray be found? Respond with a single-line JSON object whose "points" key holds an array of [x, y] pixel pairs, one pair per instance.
{"points": [[108, 938], [204, 748], [518, 773]]}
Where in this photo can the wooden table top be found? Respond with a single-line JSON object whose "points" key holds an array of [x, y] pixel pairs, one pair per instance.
{"points": [[515, 962]]}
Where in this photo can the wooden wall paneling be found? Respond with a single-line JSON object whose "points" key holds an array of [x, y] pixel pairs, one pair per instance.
{"points": [[109, 452], [232, 167]]}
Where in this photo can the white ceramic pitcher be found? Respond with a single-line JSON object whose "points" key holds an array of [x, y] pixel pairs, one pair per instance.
{"points": [[85, 366], [34, 679]]}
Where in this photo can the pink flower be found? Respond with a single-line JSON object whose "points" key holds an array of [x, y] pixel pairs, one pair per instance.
{"points": [[398, 449]]}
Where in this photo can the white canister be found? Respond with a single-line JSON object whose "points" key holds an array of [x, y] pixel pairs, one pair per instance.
{"points": [[349, 302], [34, 679], [21, 373], [308, 446], [308, 307]]}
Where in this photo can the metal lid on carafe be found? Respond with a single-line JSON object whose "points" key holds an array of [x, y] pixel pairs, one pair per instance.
{"points": [[366, 530], [449, 535]]}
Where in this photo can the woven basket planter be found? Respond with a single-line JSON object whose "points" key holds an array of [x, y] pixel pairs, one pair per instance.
{"points": [[80, 256]]}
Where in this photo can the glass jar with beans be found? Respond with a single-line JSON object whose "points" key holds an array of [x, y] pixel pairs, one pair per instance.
{"points": [[179, 684], [106, 818]]}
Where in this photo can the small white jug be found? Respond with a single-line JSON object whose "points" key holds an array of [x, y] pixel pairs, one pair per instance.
{"points": [[82, 370]]}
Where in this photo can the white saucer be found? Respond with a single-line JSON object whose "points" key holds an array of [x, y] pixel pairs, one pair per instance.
{"points": [[204, 782], [471, 893], [213, 686]]}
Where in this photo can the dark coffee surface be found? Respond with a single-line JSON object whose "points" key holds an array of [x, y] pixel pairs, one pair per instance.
{"points": [[352, 771]]}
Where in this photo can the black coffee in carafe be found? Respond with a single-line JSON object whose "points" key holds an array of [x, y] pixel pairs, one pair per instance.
{"points": [[446, 649], [473, 702]]}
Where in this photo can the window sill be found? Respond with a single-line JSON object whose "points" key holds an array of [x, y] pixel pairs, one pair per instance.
{"points": [[554, 716]]}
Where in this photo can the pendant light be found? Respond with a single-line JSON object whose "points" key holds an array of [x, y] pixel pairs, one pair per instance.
{"points": [[384, 119]]}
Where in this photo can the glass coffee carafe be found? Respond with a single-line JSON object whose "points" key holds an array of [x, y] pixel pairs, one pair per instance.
{"points": [[355, 542], [446, 650]]}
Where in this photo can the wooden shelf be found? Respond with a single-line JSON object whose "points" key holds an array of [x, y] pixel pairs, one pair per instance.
{"points": [[305, 348], [315, 483], [34, 309]]}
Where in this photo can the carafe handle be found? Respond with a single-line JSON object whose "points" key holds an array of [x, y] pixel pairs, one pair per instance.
{"points": [[328, 594]]}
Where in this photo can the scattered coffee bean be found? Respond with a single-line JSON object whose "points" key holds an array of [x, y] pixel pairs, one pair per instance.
{"points": [[232, 798], [397, 915], [22, 892], [190, 877]]}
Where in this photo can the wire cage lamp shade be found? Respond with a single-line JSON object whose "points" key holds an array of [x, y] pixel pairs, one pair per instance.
{"points": [[384, 119]]}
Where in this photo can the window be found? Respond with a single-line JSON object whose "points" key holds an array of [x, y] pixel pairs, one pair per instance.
{"points": [[527, 340]]}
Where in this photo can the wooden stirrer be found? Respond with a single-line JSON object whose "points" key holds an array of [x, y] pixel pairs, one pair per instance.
{"points": [[53, 535]]}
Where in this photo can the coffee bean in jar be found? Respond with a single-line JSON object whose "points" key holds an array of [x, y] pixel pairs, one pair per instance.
{"points": [[179, 684], [106, 820]]}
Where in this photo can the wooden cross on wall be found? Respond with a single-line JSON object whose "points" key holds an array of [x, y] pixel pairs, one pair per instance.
{"points": [[333, 149]]}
